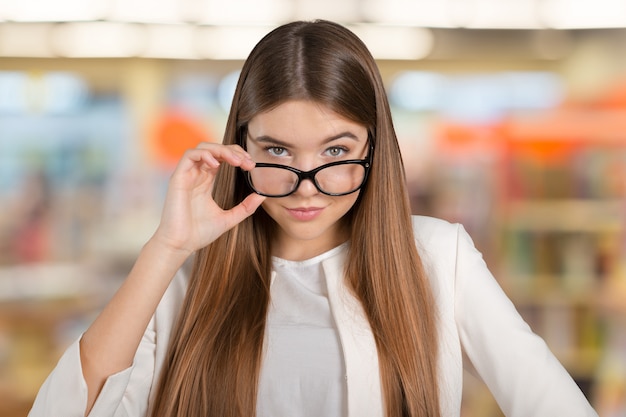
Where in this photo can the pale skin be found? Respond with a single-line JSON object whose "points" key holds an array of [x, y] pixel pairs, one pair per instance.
{"points": [[297, 133], [305, 135]]}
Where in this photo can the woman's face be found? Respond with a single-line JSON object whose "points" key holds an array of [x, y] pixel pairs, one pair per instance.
{"points": [[306, 135]]}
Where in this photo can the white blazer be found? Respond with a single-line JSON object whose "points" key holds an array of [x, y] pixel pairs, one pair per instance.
{"points": [[478, 327]]}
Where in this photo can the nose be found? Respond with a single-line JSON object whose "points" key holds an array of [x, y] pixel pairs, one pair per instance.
{"points": [[306, 188]]}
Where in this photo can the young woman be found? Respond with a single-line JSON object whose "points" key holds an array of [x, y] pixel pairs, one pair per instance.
{"points": [[313, 290]]}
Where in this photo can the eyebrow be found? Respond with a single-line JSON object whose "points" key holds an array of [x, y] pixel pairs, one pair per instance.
{"points": [[274, 141]]}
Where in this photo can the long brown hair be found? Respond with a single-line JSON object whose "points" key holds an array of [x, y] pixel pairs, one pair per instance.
{"points": [[215, 353]]}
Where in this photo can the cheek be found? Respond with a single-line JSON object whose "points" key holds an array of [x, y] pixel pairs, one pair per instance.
{"points": [[343, 205], [271, 206]]}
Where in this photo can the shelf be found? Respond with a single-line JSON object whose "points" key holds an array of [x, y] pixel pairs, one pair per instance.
{"points": [[581, 362], [554, 296], [559, 235], [43, 282], [565, 215]]}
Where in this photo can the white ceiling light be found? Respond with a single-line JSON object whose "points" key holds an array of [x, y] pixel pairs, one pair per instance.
{"points": [[426, 13], [232, 42], [169, 41], [97, 39], [395, 42], [163, 11], [510, 14], [339, 11], [239, 12], [580, 14], [52, 11], [25, 40], [561, 14]]}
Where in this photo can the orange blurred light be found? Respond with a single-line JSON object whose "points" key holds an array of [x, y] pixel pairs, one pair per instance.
{"points": [[175, 133]]}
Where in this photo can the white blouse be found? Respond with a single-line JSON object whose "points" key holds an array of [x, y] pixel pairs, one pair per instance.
{"points": [[303, 374], [478, 328]]}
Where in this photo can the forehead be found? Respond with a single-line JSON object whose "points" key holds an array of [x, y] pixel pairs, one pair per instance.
{"points": [[303, 122]]}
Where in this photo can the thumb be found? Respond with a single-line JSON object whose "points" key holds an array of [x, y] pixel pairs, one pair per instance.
{"points": [[245, 208]]}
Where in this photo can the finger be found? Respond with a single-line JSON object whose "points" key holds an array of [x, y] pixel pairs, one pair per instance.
{"points": [[244, 209], [193, 157], [224, 150], [207, 145], [234, 157], [212, 155]]}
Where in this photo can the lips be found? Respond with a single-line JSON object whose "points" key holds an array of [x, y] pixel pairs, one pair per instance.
{"points": [[305, 213]]}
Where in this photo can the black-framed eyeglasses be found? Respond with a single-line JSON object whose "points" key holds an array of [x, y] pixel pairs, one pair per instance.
{"points": [[334, 179]]}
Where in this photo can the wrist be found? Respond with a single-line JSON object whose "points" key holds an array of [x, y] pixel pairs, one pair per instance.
{"points": [[164, 253]]}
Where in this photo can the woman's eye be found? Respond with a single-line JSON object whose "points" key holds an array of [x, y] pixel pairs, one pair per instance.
{"points": [[336, 151], [276, 151]]}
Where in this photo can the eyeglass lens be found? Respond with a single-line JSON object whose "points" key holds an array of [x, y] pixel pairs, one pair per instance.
{"points": [[335, 179]]}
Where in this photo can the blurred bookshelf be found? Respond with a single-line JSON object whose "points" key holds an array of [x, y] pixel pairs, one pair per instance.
{"points": [[72, 214], [556, 237], [542, 193], [43, 308], [563, 249]]}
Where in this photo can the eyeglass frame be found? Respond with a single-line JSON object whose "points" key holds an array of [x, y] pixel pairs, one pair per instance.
{"points": [[310, 175]]}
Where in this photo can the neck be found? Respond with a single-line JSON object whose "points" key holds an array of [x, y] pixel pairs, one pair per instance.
{"points": [[285, 247]]}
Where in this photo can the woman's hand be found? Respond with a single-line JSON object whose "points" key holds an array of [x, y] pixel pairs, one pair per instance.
{"points": [[191, 219]]}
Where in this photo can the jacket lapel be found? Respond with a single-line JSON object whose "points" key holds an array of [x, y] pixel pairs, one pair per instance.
{"points": [[359, 346]]}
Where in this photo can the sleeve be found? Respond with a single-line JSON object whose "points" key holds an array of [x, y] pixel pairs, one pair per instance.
{"points": [[517, 366], [125, 394]]}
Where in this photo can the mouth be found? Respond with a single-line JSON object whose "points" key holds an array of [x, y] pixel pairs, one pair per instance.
{"points": [[305, 213]]}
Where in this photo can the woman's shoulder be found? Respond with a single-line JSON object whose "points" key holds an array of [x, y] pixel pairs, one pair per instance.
{"points": [[429, 231], [440, 243]]}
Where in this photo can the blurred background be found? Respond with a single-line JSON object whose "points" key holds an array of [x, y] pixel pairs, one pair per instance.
{"points": [[511, 116]]}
